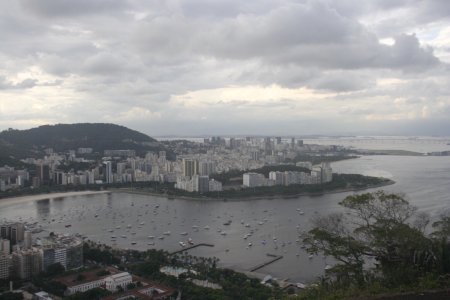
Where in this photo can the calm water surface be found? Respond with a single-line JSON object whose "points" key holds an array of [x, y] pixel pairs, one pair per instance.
{"points": [[424, 180]]}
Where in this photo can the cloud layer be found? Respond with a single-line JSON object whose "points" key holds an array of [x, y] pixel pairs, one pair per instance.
{"points": [[228, 67]]}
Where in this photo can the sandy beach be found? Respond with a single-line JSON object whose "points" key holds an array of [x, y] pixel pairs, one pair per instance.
{"points": [[14, 200]]}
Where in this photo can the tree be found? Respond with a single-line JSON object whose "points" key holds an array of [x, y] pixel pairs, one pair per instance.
{"points": [[131, 286], [80, 277], [55, 269], [378, 236], [11, 296]]}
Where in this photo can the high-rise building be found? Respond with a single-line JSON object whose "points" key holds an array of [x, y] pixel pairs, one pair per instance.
{"points": [[207, 167], [121, 167], [43, 173], [201, 183], [27, 242], [13, 232], [190, 167], [268, 146], [26, 263], [66, 250], [5, 265], [108, 172], [277, 177], [254, 154], [253, 179], [326, 172], [5, 246]]}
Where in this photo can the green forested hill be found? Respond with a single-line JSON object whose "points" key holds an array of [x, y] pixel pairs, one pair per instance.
{"points": [[17, 144]]}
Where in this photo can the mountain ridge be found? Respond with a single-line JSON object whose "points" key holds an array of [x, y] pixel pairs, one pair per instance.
{"points": [[18, 144]]}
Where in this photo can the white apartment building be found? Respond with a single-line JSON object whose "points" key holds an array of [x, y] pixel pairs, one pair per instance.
{"points": [[253, 179]]}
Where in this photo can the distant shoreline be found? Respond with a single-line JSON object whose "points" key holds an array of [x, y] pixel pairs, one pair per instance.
{"points": [[28, 198], [235, 199]]}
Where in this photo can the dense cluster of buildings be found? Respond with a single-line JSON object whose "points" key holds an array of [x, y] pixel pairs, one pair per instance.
{"points": [[318, 175], [11, 178], [195, 176], [189, 170], [21, 257]]}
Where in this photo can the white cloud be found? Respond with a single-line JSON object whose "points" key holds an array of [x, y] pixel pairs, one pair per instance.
{"points": [[203, 66]]}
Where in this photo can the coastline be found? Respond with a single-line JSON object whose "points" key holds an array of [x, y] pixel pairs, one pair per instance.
{"points": [[28, 198], [204, 198]]}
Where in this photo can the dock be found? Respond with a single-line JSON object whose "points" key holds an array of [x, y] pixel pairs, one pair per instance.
{"points": [[266, 263], [191, 247]]}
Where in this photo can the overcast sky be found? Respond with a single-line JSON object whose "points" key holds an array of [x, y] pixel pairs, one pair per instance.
{"points": [[228, 66]]}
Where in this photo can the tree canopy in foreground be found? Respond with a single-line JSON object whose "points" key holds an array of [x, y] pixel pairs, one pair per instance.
{"points": [[380, 240]]}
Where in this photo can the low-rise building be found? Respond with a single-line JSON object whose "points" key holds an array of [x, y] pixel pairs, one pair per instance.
{"points": [[121, 280]]}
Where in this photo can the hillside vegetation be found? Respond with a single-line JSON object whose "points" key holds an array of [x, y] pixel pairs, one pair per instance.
{"points": [[18, 144]]}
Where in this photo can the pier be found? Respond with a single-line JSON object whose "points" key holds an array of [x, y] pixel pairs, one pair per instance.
{"points": [[262, 265], [191, 247]]}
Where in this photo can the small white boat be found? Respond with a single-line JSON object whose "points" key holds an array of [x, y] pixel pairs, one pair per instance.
{"points": [[183, 233], [167, 233], [151, 237], [182, 244]]}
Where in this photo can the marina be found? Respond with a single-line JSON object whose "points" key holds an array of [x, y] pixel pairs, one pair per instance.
{"points": [[257, 227]]}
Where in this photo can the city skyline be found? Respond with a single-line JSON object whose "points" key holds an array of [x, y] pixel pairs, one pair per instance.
{"points": [[272, 67]]}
